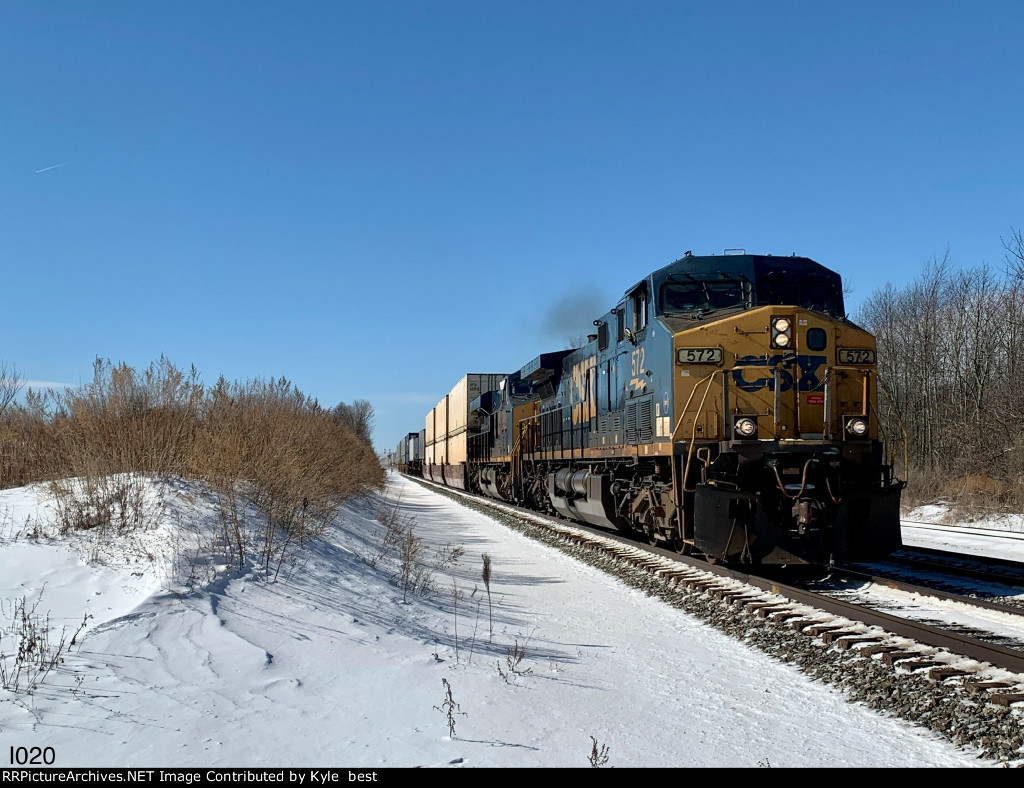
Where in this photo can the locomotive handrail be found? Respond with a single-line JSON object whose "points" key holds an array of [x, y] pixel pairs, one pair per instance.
{"points": [[693, 437]]}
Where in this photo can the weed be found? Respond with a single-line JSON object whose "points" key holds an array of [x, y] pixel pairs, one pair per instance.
{"points": [[455, 607], [598, 755], [514, 656], [396, 525], [415, 577], [27, 651], [449, 708], [486, 575], [448, 556]]}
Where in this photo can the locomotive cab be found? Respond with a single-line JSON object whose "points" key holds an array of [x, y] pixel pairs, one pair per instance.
{"points": [[777, 417]]}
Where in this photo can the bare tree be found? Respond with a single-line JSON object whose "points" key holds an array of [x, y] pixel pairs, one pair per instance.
{"points": [[11, 384], [950, 350], [1015, 254], [358, 417]]}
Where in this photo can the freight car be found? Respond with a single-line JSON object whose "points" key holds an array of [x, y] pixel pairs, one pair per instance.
{"points": [[408, 456], [726, 405]]}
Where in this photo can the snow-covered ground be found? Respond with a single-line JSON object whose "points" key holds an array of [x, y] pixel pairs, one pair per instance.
{"points": [[999, 535], [331, 665]]}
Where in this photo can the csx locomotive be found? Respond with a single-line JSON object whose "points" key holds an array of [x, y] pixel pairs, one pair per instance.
{"points": [[725, 406]]}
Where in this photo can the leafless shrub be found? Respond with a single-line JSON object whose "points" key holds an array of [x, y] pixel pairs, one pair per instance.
{"points": [[272, 452], [196, 553], [924, 487], [396, 526], [29, 648], [449, 708], [598, 755], [413, 574], [11, 384], [115, 503], [448, 556], [513, 658]]}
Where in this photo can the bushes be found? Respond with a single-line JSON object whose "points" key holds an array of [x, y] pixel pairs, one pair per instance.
{"points": [[264, 448]]}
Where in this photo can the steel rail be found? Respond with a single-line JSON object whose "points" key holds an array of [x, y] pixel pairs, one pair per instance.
{"points": [[961, 645]]}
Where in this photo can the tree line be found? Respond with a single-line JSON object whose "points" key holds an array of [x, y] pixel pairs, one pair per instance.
{"points": [[950, 363]]}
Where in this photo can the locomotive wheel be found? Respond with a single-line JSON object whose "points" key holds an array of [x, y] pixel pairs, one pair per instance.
{"points": [[680, 546], [675, 544]]}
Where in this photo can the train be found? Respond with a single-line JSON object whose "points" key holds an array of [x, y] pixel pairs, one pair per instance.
{"points": [[407, 456], [725, 406]]}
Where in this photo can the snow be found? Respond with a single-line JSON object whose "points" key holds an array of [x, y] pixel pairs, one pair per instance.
{"points": [[998, 535], [327, 665]]}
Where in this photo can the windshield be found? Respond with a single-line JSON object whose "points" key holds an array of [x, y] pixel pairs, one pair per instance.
{"points": [[815, 293], [699, 295]]}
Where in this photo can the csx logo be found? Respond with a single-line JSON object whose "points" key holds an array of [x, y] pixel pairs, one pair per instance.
{"points": [[744, 376]]}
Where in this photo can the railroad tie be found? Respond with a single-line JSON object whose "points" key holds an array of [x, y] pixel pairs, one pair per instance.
{"points": [[740, 598], [943, 673], [782, 615], [915, 664], [1005, 699], [983, 687], [832, 634], [845, 643], [892, 657], [768, 610], [824, 630]]}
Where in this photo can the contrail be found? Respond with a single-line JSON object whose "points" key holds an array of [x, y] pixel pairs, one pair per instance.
{"points": [[54, 166]]}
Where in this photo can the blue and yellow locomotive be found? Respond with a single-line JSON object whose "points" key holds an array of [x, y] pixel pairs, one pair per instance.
{"points": [[726, 406]]}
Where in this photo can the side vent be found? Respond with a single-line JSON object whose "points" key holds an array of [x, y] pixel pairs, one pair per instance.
{"points": [[645, 419], [640, 421]]}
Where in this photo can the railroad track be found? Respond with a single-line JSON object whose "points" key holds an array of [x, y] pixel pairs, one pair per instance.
{"points": [[966, 575], [965, 688], [986, 660]]}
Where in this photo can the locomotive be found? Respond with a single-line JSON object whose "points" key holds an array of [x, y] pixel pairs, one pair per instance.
{"points": [[725, 406]]}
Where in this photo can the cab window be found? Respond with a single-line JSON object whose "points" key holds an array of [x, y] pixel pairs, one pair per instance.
{"points": [[640, 310]]}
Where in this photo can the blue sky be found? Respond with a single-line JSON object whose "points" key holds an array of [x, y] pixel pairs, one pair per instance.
{"points": [[374, 198]]}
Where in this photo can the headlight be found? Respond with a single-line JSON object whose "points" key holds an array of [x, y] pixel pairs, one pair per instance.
{"points": [[782, 332], [857, 426], [745, 427]]}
